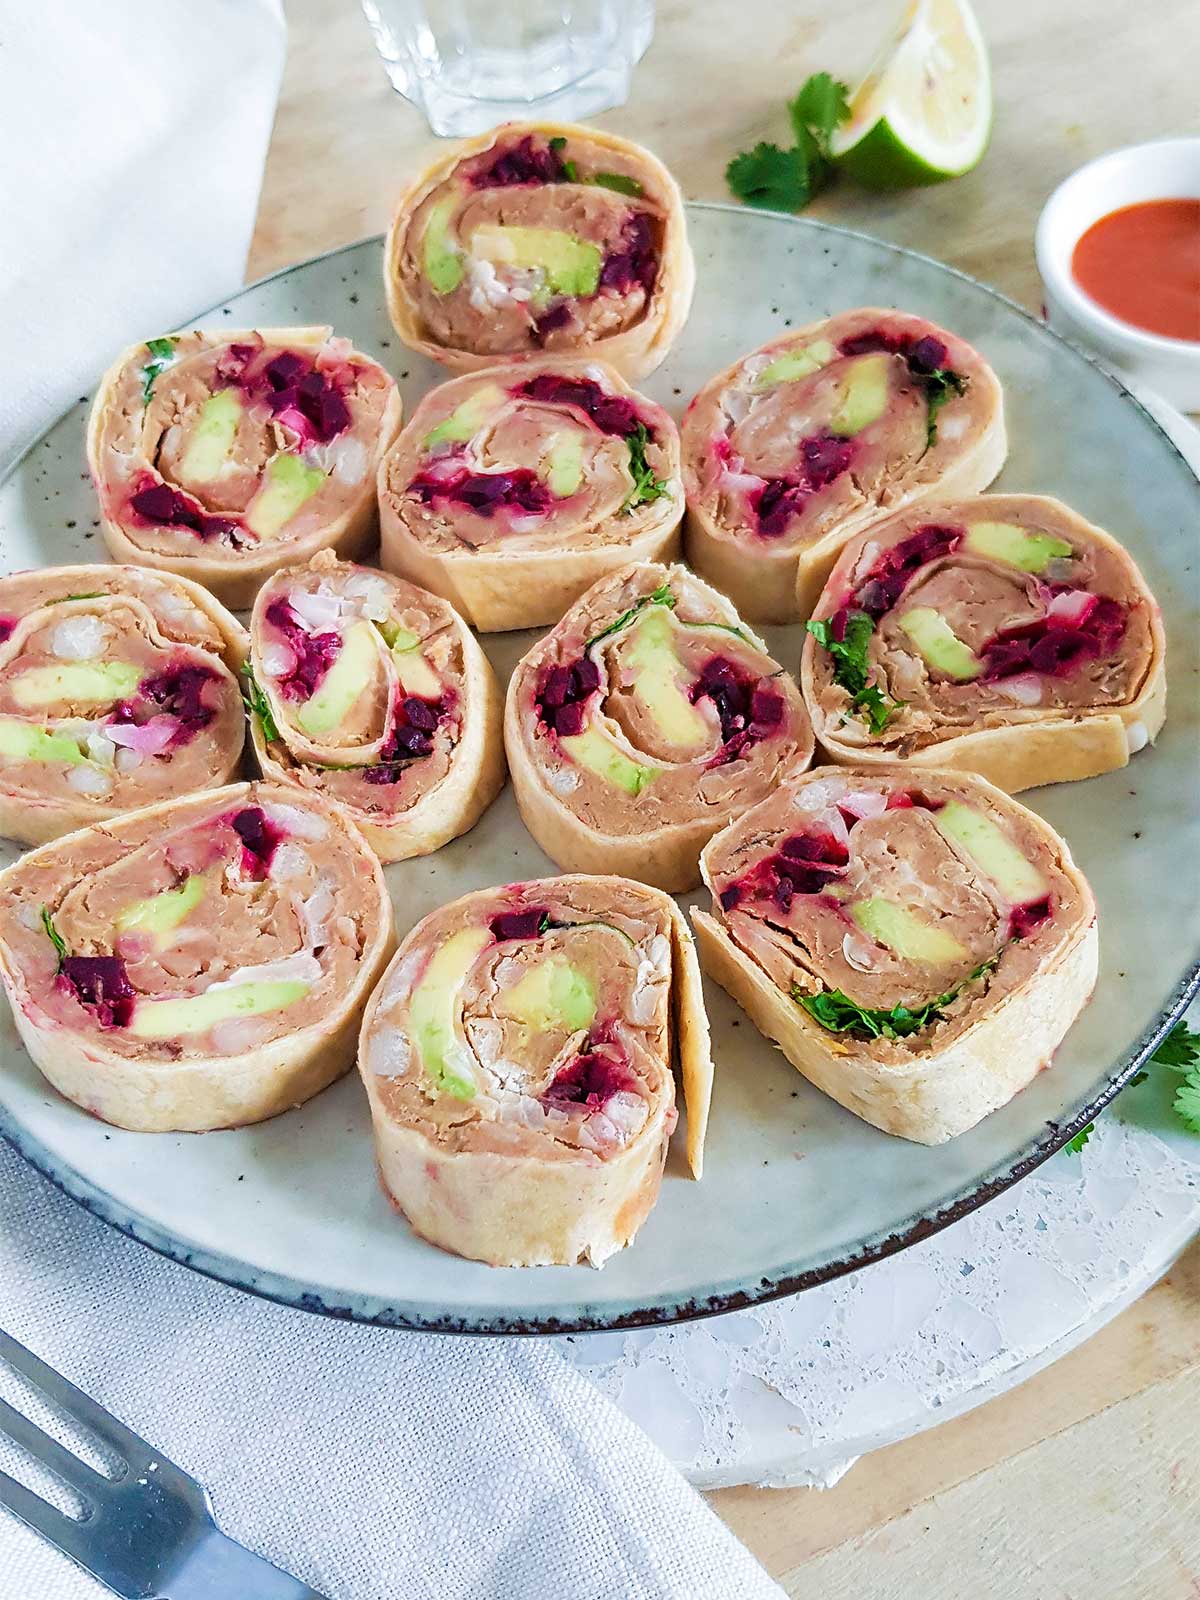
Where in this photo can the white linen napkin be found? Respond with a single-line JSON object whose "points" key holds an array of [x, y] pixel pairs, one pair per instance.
{"points": [[372, 1463]]}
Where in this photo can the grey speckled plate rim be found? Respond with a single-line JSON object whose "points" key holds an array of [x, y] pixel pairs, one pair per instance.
{"points": [[478, 1321]]}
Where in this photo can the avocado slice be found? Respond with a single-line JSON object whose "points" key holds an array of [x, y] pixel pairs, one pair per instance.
{"points": [[571, 265], [341, 686], [565, 462], [1004, 541], [287, 484], [902, 930], [554, 994], [175, 1019], [795, 364], [465, 421], [76, 680], [415, 674], [939, 644], [992, 851], [160, 914], [213, 436], [864, 396], [431, 1012], [21, 741], [592, 749], [652, 656], [440, 261]]}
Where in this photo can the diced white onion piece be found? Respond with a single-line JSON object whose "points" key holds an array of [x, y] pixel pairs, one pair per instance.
{"points": [[303, 967], [79, 638], [149, 738], [1025, 688], [1072, 606], [279, 659], [302, 824], [89, 780], [128, 760], [863, 803], [390, 1053], [563, 779], [318, 608], [100, 750], [859, 952], [315, 913], [289, 861], [235, 1034]]}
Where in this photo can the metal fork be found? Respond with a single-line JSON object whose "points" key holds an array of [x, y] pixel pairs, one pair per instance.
{"points": [[147, 1532]]}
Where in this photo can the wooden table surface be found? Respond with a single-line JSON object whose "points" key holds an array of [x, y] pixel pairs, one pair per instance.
{"points": [[1085, 1482]]}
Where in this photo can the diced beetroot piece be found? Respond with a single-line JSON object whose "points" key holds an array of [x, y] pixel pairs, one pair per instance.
{"points": [[103, 983], [168, 507], [259, 838], [637, 260], [529, 161], [422, 714], [7, 624], [556, 688], [823, 458], [284, 370], [519, 924], [783, 893], [777, 503], [592, 1078], [612, 413], [315, 652], [927, 355], [766, 708], [1022, 920], [1052, 647], [863, 344], [585, 678], [731, 896], [557, 317], [520, 490], [900, 801], [179, 692], [569, 720], [311, 405], [897, 566], [814, 847]]}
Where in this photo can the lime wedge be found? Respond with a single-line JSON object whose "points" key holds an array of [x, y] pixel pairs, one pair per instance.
{"points": [[924, 111]]}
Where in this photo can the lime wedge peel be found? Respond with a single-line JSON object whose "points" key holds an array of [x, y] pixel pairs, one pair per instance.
{"points": [[923, 113]]}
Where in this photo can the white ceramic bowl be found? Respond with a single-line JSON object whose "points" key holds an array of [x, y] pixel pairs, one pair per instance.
{"points": [[1166, 169]]}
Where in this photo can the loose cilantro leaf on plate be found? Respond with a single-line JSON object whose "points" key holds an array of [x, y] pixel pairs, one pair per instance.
{"points": [[1075, 1145], [777, 180], [258, 705], [836, 1011], [786, 180], [162, 353], [56, 938], [618, 182], [851, 670], [1187, 1101], [646, 486], [1180, 1049], [819, 108], [661, 596]]}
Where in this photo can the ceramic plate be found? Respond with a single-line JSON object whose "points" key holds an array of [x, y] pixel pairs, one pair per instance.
{"points": [[795, 1189]]}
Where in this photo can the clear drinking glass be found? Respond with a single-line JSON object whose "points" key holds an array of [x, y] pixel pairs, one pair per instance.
{"points": [[468, 64]]}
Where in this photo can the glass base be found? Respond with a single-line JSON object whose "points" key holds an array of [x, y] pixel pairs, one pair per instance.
{"points": [[456, 116]]}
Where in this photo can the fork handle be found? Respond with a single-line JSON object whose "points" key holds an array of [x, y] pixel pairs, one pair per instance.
{"points": [[217, 1567]]}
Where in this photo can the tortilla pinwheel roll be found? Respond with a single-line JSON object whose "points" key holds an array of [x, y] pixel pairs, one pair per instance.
{"points": [[643, 722], [805, 442], [1002, 635], [374, 695], [512, 490], [200, 964], [917, 944], [118, 689], [225, 455], [537, 238], [517, 1057]]}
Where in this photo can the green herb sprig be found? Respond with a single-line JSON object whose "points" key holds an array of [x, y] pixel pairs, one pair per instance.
{"points": [[617, 181], [851, 669], [661, 596], [56, 938], [257, 704], [1179, 1052], [837, 1013], [786, 180], [162, 353], [940, 386], [646, 485]]}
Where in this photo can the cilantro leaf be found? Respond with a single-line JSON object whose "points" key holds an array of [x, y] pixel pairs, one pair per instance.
{"points": [[93, 594], [1187, 1101], [851, 669], [786, 180], [837, 1013], [56, 938], [618, 182], [767, 176], [258, 705], [820, 106], [661, 596], [646, 486], [162, 353], [940, 385], [1075, 1145], [1180, 1049]]}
